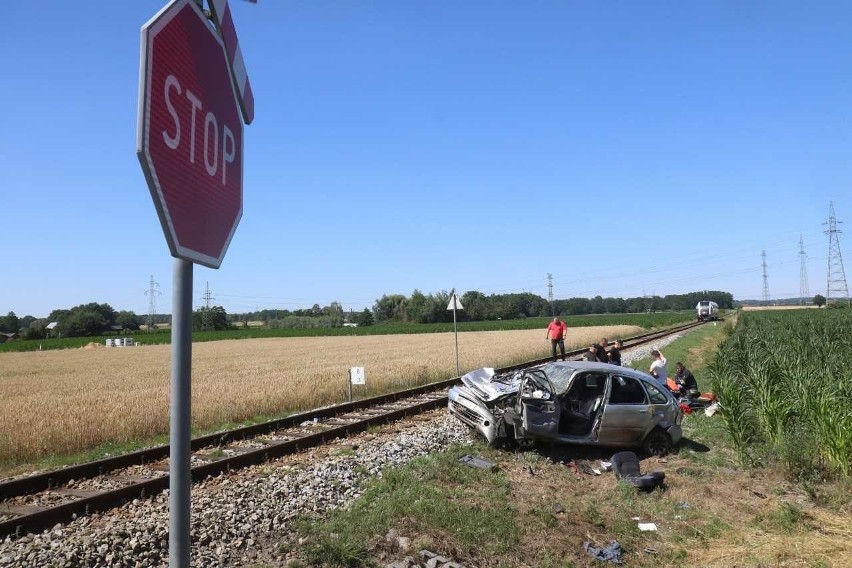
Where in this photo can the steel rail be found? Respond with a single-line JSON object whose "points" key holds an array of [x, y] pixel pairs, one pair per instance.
{"points": [[46, 517]]}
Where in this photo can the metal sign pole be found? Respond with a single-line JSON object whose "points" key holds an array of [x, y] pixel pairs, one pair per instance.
{"points": [[180, 436], [350, 385], [456, 331]]}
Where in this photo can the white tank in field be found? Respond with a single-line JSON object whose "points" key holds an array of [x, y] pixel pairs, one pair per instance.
{"points": [[706, 310]]}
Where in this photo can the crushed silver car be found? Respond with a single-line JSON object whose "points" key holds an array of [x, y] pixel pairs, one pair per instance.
{"points": [[570, 401]]}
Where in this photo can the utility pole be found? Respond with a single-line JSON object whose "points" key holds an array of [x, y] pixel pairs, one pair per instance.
{"points": [[804, 293], [152, 292], [765, 281], [550, 293], [836, 275], [205, 315]]}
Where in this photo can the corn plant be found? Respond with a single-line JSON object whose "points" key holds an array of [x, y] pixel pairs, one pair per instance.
{"points": [[784, 378]]}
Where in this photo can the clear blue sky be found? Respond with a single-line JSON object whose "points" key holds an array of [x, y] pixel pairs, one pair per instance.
{"points": [[622, 146]]}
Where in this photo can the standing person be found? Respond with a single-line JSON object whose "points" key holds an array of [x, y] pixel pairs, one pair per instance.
{"points": [[615, 353], [658, 368], [556, 334], [603, 356]]}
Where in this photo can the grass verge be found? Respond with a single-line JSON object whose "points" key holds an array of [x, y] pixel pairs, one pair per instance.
{"points": [[537, 511], [464, 509]]}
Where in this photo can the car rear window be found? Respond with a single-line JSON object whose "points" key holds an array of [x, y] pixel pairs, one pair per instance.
{"points": [[627, 391], [656, 395]]}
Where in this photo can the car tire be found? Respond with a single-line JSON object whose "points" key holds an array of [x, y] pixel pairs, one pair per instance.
{"points": [[657, 443]]}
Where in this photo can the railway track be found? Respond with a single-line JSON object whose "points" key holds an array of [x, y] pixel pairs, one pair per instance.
{"points": [[37, 502]]}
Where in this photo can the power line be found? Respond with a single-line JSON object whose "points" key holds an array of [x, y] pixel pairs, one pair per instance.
{"points": [[208, 295], [804, 293], [550, 293], [152, 292], [205, 312], [765, 280], [836, 275]]}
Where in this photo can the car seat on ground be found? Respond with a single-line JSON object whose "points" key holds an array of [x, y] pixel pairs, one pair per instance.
{"points": [[626, 468]]}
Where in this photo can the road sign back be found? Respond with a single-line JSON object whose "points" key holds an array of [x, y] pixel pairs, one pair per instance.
{"points": [[190, 133]]}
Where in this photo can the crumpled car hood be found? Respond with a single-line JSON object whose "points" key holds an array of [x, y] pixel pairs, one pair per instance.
{"points": [[482, 383]]}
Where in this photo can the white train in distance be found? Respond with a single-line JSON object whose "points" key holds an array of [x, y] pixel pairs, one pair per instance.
{"points": [[706, 310]]}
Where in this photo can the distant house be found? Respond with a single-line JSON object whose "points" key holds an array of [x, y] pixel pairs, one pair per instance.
{"points": [[349, 324], [51, 327]]}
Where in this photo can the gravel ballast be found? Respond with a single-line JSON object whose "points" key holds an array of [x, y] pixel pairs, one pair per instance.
{"points": [[231, 514]]}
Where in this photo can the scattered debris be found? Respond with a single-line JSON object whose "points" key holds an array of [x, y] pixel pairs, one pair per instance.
{"points": [[611, 553], [650, 550], [572, 466], [758, 494], [626, 467], [434, 560], [683, 505], [606, 466], [646, 527], [711, 410], [477, 462], [558, 508]]}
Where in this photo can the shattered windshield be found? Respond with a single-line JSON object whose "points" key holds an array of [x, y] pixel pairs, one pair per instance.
{"points": [[558, 376]]}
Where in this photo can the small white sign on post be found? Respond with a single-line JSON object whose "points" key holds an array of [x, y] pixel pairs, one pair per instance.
{"points": [[455, 304], [356, 375]]}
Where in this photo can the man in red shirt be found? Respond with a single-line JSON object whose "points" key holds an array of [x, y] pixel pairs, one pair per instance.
{"points": [[556, 334]]}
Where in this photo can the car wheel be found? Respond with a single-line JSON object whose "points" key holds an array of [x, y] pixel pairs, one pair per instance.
{"points": [[497, 442], [657, 443]]}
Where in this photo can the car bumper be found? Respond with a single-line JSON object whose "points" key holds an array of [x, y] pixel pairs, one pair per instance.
{"points": [[464, 406], [676, 433]]}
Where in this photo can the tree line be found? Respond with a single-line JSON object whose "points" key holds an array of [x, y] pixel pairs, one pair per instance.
{"points": [[94, 319], [432, 308]]}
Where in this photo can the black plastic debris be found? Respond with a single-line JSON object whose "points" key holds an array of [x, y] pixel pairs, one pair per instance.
{"points": [[611, 553], [477, 462], [626, 468]]}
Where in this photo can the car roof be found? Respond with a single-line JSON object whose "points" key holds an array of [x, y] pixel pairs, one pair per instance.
{"points": [[603, 368]]}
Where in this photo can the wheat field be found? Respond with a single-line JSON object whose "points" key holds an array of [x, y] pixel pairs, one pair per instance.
{"points": [[62, 402]]}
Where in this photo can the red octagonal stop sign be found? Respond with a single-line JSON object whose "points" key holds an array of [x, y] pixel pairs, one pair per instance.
{"points": [[190, 133]]}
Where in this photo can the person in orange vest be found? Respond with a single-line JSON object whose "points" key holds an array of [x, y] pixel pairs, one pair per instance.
{"points": [[556, 334]]}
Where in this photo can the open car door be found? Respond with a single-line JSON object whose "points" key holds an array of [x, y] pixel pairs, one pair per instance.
{"points": [[537, 405], [627, 413]]}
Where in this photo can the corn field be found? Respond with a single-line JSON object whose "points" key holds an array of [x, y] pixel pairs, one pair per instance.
{"points": [[784, 381]]}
